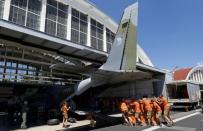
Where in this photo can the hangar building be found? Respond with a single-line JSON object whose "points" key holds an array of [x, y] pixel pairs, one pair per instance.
{"points": [[37, 34]]}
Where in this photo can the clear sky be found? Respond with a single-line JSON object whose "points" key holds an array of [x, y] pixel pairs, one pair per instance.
{"points": [[170, 31]]}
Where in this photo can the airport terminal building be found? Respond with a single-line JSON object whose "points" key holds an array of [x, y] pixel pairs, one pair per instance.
{"points": [[35, 35]]}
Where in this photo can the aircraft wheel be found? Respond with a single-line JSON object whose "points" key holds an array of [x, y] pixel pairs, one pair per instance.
{"points": [[53, 122]]}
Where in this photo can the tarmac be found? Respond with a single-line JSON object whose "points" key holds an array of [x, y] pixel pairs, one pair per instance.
{"points": [[78, 124], [84, 125]]}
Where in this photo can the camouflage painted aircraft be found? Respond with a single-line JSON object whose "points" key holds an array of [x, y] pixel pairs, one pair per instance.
{"points": [[121, 63], [122, 60]]}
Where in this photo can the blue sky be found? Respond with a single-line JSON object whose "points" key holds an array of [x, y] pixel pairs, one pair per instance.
{"points": [[170, 31]]}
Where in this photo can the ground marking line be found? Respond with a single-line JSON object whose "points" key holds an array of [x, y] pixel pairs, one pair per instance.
{"points": [[176, 120], [180, 128]]}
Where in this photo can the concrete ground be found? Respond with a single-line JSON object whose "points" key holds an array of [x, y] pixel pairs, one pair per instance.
{"points": [[175, 116], [192, 123], [79, 124]]}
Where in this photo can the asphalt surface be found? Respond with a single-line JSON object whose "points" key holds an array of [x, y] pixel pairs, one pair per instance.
{"points": [[194, 123]]}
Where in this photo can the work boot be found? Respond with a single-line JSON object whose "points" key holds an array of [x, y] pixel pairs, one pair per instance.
{"points": [[143, 124], [161, 125]]}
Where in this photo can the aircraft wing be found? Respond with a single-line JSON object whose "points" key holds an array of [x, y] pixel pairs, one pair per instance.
{"points": [[120, 75]]}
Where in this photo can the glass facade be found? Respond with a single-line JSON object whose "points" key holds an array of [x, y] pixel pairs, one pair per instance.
{"points": [[26, 13], [13, 71], [110, 36], [79, 27], [1, 8], [26, 65], [56, 19], [96, 35]]}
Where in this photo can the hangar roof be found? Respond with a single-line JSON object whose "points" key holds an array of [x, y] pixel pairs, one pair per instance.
{"points": [[181, 74]]}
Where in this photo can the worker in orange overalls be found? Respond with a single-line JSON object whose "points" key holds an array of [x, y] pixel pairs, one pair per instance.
{"points": [[137, 110], [64, 109], [166, 110], [124, 110], [142, 114], [153, 119], [147, 109], [131, 118], [157, 111]]}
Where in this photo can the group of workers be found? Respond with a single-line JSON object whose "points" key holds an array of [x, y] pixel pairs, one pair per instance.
{"points": [[146, 111], [142, 112]]}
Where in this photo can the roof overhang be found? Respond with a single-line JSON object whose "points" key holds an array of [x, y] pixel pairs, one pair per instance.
{"points": [[150, 69], [181, 82], [10, 32]]}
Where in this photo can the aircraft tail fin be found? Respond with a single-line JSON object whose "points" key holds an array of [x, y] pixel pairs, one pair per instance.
{"points": [[123, 53]]}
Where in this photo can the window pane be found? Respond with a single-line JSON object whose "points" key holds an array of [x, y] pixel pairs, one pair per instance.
{"points": [[61, 31], [112, 37], [63, 7], [83, 38], [51, 13], [108, 31], [94, 42], [19, 3], [50, 27], [83, 17], [99, 33], [35, 6], [100, 44], [1, 72], [52, 2], [75, 13], [2, 63], [33, 21], [75, 23], [83, 26], [93, 22], [17, 15], [108, 37], [8, 63], [62, 17], [75, 36], [108, 47], [1, 8], [99, 25], [93, 31]]}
